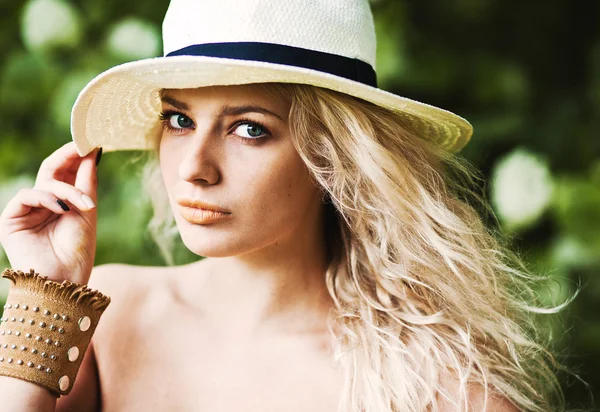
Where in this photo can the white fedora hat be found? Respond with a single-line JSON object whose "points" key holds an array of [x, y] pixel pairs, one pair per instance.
{"points": [[326, 43]]}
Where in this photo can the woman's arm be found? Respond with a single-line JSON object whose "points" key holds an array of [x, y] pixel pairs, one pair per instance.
{"points": [[85, 395], [18, 395]]}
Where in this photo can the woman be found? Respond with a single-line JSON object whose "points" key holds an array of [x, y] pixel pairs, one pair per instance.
{"points": [[344, 268]]}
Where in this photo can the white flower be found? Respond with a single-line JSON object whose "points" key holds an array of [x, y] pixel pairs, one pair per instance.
{"points": [[134, 39], [521, 188], [48, 24]]}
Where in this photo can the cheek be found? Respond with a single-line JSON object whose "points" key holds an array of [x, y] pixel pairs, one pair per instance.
{"points": [[168, 160], [280, 192]]}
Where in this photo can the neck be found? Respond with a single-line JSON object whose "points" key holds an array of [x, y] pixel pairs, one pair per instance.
{"points": [[278, 289]]}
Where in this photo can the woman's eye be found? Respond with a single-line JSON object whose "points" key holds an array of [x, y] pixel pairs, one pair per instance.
{"points": [[250, 131], [180, 121]]}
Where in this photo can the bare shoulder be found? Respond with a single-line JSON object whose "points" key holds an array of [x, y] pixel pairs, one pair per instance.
{"points": [[115, 277], [112, 277], [119, 280], [132, 290], [477, 398]]}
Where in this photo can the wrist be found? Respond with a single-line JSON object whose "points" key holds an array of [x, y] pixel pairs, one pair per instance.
{"points": [[46, 328]]}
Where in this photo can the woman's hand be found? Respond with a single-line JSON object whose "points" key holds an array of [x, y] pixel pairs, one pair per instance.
{"points": [[36, 233]]}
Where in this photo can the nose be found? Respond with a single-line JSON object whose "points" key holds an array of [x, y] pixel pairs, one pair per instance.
{"points": [[201, 154]]}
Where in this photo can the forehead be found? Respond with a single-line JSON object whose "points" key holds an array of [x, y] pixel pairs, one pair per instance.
{"points": [[246, 93]]}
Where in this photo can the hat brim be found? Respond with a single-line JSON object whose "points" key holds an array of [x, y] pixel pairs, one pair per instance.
{"points": [[119, 108]]}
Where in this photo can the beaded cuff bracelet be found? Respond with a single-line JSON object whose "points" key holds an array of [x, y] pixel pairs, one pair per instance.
{"points": [[46, 328]]}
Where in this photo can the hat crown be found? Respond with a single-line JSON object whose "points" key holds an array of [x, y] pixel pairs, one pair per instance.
{"points": [[342, 27]]}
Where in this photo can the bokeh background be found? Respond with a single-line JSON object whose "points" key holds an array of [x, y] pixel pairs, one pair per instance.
{"points": [[526, 74]]}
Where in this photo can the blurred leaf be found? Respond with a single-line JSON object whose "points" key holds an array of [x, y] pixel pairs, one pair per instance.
{"points": [[577, 209], [500, 82], [569, 252], [10, 187], [390, 61], [27, 81]]}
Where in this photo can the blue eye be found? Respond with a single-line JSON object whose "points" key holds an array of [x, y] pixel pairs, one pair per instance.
{"points": [[180, 121], [175, 121], [250, 130]]}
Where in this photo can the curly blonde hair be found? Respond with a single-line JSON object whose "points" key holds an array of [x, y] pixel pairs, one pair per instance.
{"points": [[421, 286]]}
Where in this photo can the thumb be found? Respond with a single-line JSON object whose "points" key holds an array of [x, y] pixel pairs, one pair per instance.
{"points": [[87, 175]]}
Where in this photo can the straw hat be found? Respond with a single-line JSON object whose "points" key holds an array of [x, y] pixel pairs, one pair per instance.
{"points": [[326, 43]]}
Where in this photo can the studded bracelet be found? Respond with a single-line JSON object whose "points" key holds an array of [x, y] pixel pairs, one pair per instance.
{"points": [[46, 328]]}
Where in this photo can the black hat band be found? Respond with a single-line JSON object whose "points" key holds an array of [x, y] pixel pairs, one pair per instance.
{"points": [[351, 69]]}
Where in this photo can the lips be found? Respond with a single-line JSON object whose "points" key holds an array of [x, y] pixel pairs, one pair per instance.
{"points": [[198, 212], [198, 204]]}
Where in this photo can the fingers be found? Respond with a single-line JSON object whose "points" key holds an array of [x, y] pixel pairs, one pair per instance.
{"points": [[87, 177], [50, 197], [69, 194], [65, 162], [27, 199], [58, 163]]}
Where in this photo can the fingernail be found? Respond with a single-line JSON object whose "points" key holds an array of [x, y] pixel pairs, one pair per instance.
{"points": [[88, 201], [98, 156], [63, 205]]}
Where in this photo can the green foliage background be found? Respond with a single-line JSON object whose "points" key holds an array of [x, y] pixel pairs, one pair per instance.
{"points": [[526, 74]]}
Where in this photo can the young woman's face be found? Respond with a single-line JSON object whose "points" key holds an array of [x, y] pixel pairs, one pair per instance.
{"points": [[230, 147]]}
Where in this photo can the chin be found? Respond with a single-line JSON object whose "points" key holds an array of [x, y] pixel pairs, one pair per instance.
{"points": [[213, 250], [223, 239], [206, 242]]}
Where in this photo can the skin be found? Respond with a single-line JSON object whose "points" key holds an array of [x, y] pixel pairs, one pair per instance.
{"points": [[273, 243], [254, 310], [245, 328]]}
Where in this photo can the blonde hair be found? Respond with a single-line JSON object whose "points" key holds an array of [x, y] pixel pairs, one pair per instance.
{"points": [[421, 286]]}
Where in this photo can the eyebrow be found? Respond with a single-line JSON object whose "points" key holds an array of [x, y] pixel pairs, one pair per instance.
{"points": [[225, 110]]}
